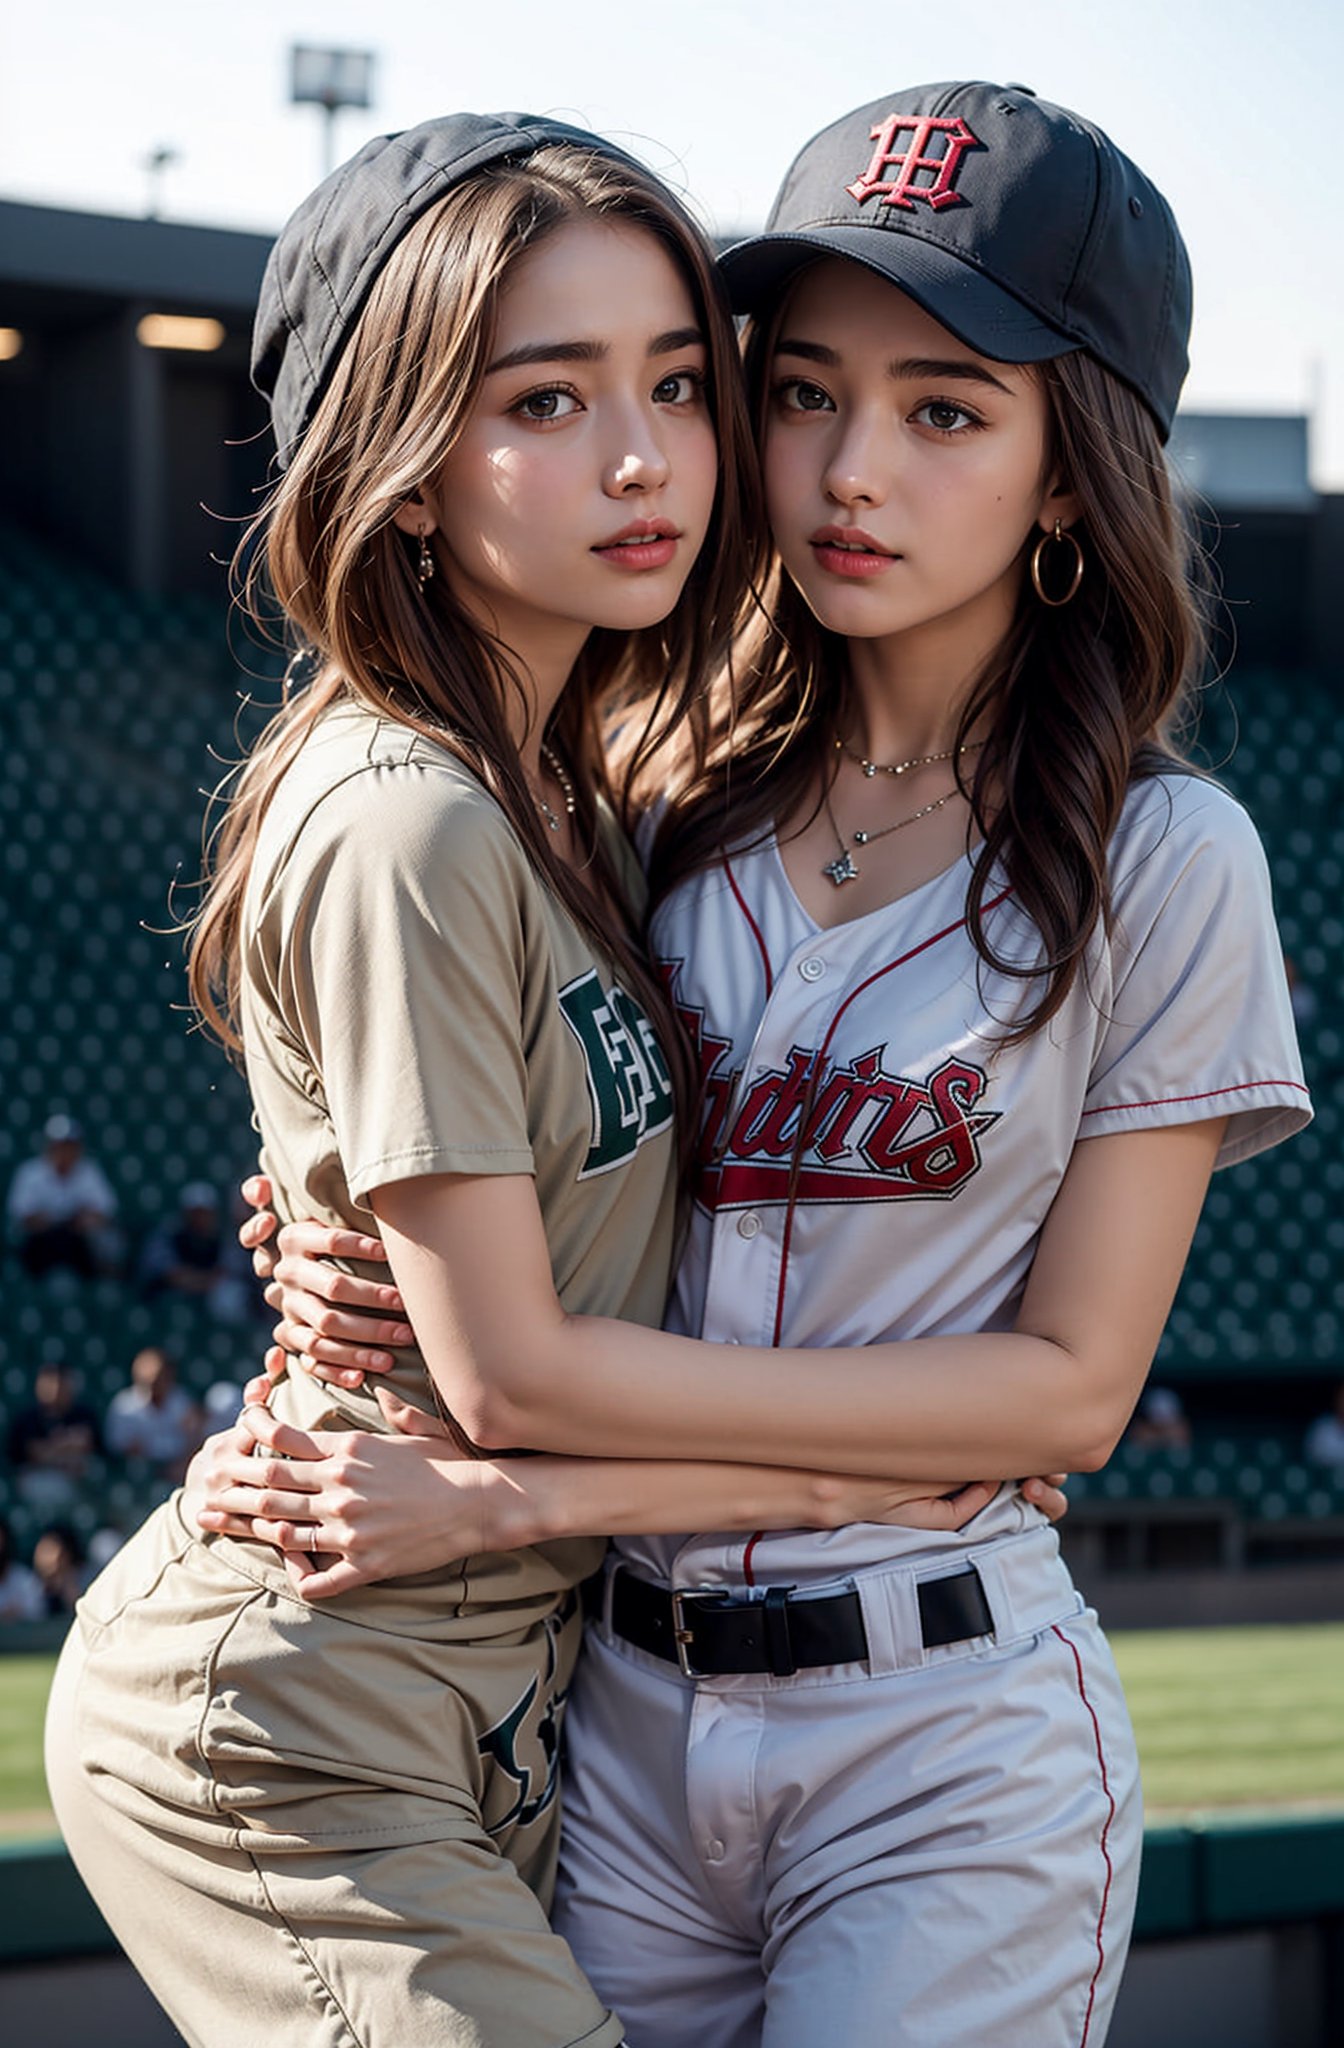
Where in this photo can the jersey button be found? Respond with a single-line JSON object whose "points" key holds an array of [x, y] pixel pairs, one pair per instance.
{"points": [[714, 1851], [748, 1225], [812, 969]]}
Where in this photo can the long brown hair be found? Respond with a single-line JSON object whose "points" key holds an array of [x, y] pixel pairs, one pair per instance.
{"points": [[345, 576], [1077, 702]]}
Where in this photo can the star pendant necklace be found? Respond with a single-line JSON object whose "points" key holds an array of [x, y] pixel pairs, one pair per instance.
{"points": [[844, 868]]}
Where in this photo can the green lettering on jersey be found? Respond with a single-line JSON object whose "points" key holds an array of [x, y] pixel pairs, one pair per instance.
{"points": [[629, 1087]]}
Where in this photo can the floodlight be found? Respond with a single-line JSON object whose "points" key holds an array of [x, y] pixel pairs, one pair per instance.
{"points": [[330, 79], [179, 330]]}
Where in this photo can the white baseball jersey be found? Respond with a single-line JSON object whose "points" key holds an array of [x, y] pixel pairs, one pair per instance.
{"points": [[933, 1154]]}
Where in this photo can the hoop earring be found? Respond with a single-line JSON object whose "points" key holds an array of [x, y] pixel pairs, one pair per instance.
{"points": [[1049, 540], [424, 567]]}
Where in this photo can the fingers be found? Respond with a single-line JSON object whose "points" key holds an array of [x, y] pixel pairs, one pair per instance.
{"points": [[321, 1240], [950, 1511], [320, 1582], [409, 1421], [1048, 1495], [284, 1439], [340, 1290], [294, 1539], [254, 1234], [348, 1349]]}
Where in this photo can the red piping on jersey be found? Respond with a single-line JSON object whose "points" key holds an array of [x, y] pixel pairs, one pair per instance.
{"points": [[1208, 1095], [822, 1051], [748, 1572], [1105, 1831], [755, 928]]}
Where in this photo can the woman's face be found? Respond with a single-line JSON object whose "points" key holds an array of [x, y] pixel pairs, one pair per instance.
{"points": [[582, 487], [903, 471]]}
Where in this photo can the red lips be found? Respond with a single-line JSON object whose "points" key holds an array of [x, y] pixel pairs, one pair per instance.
{"points": [[642, 544], [849, 551]]}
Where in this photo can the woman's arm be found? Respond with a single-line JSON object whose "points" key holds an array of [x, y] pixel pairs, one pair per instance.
{"points": [[469, 1257], [375, 1507]]}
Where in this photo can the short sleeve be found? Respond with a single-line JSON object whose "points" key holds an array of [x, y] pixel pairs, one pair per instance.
{"points": [[404, 956], [1198, 1022]]}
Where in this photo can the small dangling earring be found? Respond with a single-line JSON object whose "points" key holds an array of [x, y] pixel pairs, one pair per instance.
{"points": [[1047, 540], [424, 567]]}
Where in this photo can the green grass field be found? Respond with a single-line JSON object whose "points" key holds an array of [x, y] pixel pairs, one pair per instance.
{"points": [[1244, 1719]]}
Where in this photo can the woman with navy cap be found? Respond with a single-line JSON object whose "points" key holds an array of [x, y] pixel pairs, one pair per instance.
{"points": [[983, 983]]}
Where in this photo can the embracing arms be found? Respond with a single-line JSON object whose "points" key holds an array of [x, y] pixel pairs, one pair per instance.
{"points": [[515, 1368], [470, 1260]]}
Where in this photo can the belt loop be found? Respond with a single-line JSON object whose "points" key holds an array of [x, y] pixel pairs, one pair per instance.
{"points": [[989, 1565], [778, 1648]]}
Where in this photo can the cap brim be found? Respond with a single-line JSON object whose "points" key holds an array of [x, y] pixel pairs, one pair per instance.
{"points": [[974, 308]]}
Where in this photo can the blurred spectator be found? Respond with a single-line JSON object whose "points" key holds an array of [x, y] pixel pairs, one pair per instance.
{"points": [[154, 1418], [1301, 994], [59, 1565], [62, 1208], [192, 1254], [1160, 1421], [103, 1546], [52, 1440], [20, 1589], [1324, 1441], [223, 1404]]}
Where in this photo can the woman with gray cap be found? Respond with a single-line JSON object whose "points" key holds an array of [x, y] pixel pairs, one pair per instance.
{"points": [[984, 982], [501, 376]]}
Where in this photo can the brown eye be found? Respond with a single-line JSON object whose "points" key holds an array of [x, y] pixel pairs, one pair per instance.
{"points": [[552, 403], [797, 395], [946, 417]]}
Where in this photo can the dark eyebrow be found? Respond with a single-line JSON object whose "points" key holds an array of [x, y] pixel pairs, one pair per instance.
{"points": [[810, 351], [549, 352], [590, 351], [675, 338], [961, 368]]}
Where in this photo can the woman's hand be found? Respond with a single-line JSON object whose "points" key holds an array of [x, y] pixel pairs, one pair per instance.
{"points": [[256, 1233], [345, 1507], [332, 1322], [860, 1500], [1047, 1494]]}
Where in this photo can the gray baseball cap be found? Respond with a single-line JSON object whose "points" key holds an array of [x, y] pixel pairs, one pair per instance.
{"points": [[1018, 225], [330, 250]]}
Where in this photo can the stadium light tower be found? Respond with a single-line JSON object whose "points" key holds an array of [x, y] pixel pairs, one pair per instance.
{"points": [[330, 79], [159, 159]]}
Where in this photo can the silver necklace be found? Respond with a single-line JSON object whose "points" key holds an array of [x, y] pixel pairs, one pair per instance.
{"points": [[567, 791], [844, 868], [871, 768]]}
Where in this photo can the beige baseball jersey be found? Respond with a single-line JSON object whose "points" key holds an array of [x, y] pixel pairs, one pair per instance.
{"points": [[416, 1001], [337, 1824]]}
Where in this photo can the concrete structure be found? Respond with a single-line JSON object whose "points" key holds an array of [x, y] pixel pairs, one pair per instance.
{"points": [[148, 461]]}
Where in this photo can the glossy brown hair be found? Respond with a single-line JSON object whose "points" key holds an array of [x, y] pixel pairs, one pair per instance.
{"points": [[344, 576], [1077, 702]]}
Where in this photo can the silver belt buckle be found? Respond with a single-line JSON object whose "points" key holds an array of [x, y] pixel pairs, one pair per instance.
{"points": [[683, 1636]]}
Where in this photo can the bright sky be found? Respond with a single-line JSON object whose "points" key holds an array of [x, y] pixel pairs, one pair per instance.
{"points": [[1230, 105]]}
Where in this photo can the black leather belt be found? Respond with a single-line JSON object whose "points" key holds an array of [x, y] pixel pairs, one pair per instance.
{"points": [[713, 1635]]}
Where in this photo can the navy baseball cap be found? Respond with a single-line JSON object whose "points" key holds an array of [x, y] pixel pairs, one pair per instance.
{"points": [[332, 247], [1018, 225]]}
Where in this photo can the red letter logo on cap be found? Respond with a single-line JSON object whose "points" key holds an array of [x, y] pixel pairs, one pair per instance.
{"points": [[905, 189]]}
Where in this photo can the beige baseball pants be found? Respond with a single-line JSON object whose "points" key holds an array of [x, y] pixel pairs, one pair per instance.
{"points": [[319, 1827]]}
